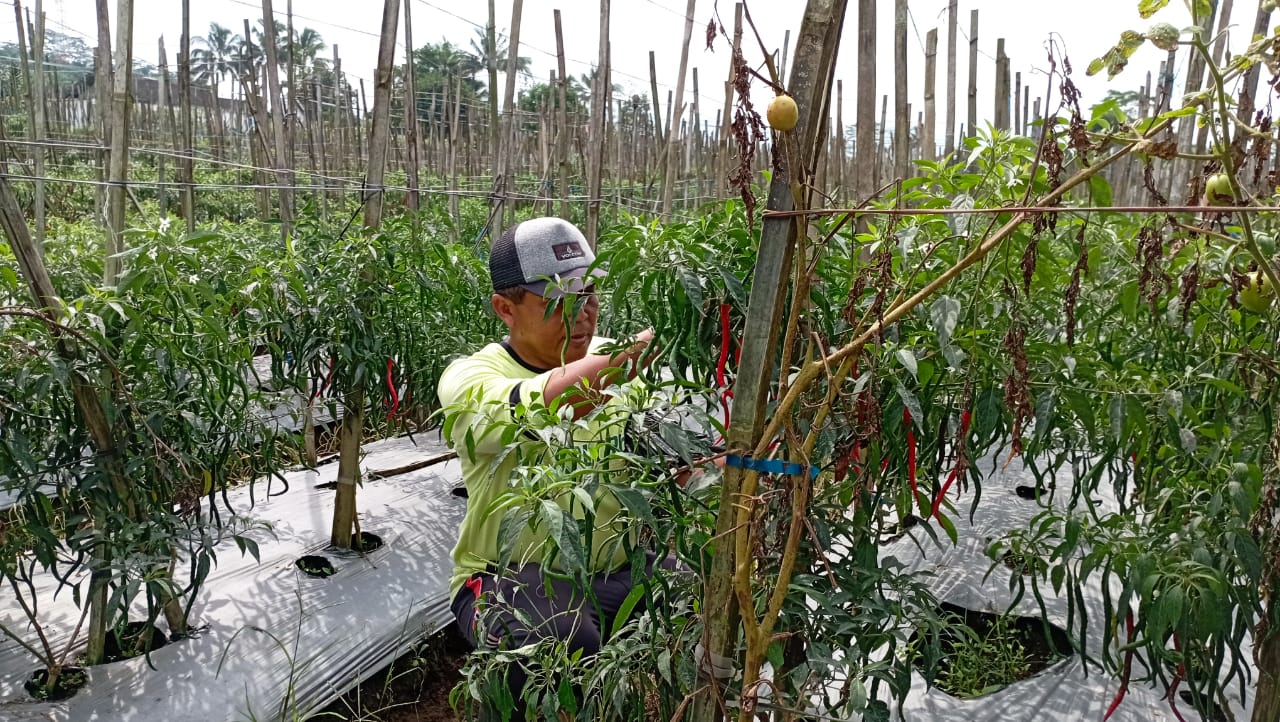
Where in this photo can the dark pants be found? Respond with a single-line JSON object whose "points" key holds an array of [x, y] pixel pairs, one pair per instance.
{"points": [[520, 610]]}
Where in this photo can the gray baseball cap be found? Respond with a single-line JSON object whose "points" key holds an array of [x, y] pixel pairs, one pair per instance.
{"points": [[547, 256]]}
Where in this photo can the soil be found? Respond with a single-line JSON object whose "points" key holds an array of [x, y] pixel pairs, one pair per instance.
{"points": [[366, 542], [314, 565], [129, 642], [1215, 714], [69, 682], [1041, 649], [415, 688]]}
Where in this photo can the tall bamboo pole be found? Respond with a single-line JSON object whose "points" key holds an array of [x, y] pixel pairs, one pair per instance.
{"points": [[344, 511], [949, 132], [562, 134], [509, 145], [491, 45], [283, 173], [901, 116], [118, 173], [866, 110], [810, 86], [596, 133], [102, 83], [928, 139], [972, 123], [186, 165], [673, 150], [724, 144], [41, 130], [410, 111]]}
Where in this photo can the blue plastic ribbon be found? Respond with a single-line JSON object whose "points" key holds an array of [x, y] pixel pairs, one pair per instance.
{"points": [[769, 466]]}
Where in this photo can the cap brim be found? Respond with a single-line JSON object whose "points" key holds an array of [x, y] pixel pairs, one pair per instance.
{"points": [[574, 281]]}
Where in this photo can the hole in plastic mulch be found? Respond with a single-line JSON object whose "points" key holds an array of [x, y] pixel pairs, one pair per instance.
{"points": [[1215, 713], [983, 652], [134, 639], [70, 680], [314, 565], [366, 542]]}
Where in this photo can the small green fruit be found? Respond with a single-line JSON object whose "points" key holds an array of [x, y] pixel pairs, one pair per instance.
{"points": [[1217, 191], [1257, 293]]}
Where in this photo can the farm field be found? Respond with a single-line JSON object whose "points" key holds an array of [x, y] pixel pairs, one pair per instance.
{"points": [[962, 400]]}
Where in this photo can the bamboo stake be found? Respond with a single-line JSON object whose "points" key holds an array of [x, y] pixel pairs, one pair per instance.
{"points": [[901, 115], [491, 38], [186, 164], [810, 86], [973, 73], [866, 110], [1001, 117], [657, 111], [41, 129], [724, 144], [927, 139], [502, 183], [673, 169], [562, 132], [454, 205], [119, 169], [410, 113], [344, 512], [167, 128], [283, 173], [950, 131], [595, 138]]}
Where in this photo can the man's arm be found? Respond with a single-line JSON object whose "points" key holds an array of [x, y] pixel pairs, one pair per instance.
{"points": [[579, 383]]}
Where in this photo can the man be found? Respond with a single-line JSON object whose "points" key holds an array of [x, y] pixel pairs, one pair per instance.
{"points": [[550, 357]]}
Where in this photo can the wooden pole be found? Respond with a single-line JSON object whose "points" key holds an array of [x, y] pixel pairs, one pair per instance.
{"points": [[596, 133], [503, 160], [901, 116], [35, 151], [166, 129], [186, 164], [673, 150], [880, 148], [562, 123], [865, 147], [1002, 87], [344, 512], [41, 130], [928, 138], [657, 108], [410, 112], [510, 138], [810, 86], [118, 173], [454, 141], [724, 144], [284, 174], [1017, 99], [973, 73], [949, 137], [103, 80]]}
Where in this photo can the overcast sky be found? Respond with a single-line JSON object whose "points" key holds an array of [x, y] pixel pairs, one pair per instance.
{"points": [[1085, 28]]}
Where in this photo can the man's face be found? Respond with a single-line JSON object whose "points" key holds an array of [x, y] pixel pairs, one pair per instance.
{"points": [[539, 337]]}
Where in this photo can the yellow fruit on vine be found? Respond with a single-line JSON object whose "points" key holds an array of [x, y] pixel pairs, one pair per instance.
{"points": [[1217, 190], [783, 113], [1257, 293]]}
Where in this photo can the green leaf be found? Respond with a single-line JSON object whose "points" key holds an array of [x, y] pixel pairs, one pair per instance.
{"points": [[1095, 66], [908, 361], [912, 403], [949, 527], [563, 531], [1147, 8]]}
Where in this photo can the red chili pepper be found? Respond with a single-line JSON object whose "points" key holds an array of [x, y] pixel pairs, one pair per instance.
{"points": [[328, 380], [1124, 676], [911, 454], [724, 346], [965, 418], [391, 386]]}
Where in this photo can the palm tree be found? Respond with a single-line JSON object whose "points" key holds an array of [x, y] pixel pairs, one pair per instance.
{"points": [[480, 51], [214, 62]]}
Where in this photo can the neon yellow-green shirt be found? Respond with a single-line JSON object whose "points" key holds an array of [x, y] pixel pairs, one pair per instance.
{"points": [[483, 390]]}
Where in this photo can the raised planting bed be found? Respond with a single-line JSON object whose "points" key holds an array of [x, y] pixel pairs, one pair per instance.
{"points": [[269, 641]]}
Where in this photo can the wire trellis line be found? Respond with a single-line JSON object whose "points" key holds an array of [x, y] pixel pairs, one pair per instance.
{"points": [[1016, 209]]}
